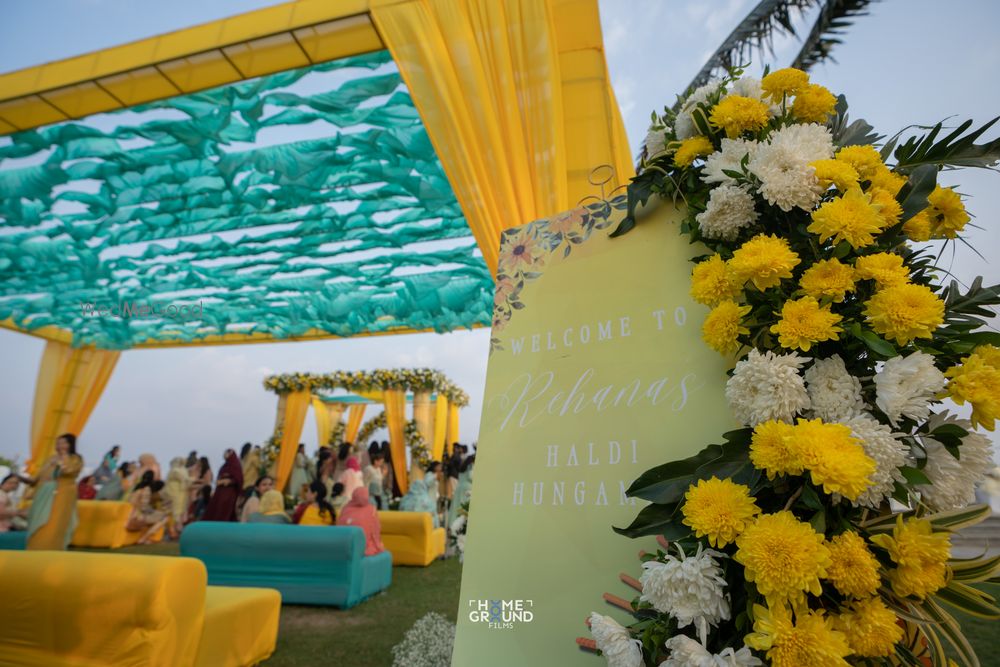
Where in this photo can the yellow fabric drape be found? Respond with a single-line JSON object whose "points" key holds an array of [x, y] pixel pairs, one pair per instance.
{"points": [[423, 415], [452, 426], [70, 382], [508, 100], [355, 415], [440, 426], [327, 415], [395, 420], [292, 409]]}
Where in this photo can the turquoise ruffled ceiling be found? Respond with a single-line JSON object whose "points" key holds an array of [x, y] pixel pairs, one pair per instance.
{"points": [[307, 200]]}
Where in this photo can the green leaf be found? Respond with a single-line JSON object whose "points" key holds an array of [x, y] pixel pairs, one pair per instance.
{"points": [[656, 520], [954, 150], [818, 522], [914, 476], [968, 600], [874, 342], [913, 196]]}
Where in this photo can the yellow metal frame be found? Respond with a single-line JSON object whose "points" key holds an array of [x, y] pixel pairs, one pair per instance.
{"points": [[273, 39]]}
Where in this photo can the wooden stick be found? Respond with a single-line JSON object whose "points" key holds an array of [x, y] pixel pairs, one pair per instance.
{"points": [[642, 552], [631, 581], [618, 602], [585, 643], [662, 541]]}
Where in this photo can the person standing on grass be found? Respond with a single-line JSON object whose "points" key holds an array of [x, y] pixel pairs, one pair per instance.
{"points": [[52, 517], [222, 507]]}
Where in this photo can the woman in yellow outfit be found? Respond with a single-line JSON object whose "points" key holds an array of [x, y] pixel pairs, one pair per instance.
{"points": [[316, 510], [52, 517]]}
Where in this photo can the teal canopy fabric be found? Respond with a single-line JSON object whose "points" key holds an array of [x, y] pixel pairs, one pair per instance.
{"points": [[210, 213]]}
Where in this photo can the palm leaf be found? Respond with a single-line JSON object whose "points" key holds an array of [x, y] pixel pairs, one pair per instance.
{"points": [[951, 152], [831, 25]]}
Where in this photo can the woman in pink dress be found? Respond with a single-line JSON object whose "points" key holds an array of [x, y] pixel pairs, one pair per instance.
{"points": [[361, 513], [351, 478]]}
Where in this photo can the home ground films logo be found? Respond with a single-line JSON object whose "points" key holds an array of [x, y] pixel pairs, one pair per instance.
{"points": [[501, 614]]}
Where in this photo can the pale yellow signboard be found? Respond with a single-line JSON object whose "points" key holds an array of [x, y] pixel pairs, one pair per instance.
{"points": [[597, 372]]}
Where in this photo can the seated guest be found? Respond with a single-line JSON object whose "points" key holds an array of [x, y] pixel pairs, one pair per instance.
{"points": [[115, 488], [351, 477], [11, 518], [150, 511], [109, 463], [145, 481], [197, 510], [339, 498], [417, 500], [263, 485], [361, 513], [270, 510], [85, 489], [317, 511]]}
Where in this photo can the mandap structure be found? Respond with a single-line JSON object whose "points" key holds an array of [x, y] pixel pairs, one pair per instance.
{"points": [[313, 169], [436, 401]]}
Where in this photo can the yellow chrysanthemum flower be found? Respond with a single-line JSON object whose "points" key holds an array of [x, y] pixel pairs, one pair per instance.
{"points": [[886, 269], [804, 322], [764, 261], [918, 228], [811, 640], [691, 149], [835, 459], [785, 557], [854, 570], [890, 209], [771, 449], [977, 380], [836, 173], [866, 160], [947, 212], [737, 114], [920, 554], [828, 278], [870, 628], [722, 328], [712, 283], [782, 82], [718, 509], [905, 312], [813, 104], [853, 218], [887, 179]]}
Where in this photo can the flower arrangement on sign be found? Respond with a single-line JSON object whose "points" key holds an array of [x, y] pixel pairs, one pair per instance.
{"points": [[405, 379], [780, 545]]}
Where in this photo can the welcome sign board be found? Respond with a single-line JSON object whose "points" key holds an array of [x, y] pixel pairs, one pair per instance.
{"points": [[597, 372]]}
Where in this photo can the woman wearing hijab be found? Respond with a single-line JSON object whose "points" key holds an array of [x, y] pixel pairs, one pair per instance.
{"points": [[270, 510], [178, 490], [228, 486], [52, 516], [417, 500], [351, 478], [361, 513]]}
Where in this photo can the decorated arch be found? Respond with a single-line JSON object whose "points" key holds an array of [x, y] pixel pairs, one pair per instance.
{"points": [[434, 421]]}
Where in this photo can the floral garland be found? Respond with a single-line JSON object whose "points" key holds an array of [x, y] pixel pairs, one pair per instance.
{"points": [[780, 545], [406, 379], [269, 453], [411, 435], [337, 434], [369, 427]]}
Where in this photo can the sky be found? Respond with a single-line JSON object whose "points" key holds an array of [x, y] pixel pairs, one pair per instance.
{"points": [[910, 62]]}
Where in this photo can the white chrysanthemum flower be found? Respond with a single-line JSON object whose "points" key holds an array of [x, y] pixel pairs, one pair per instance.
{"points": [[686, 652], [656, 141], [767, 386], [953, 481], [615, 642], [906, 385], [834, 393], [727, 158], [684, 127], [457, 525], [782, 165], [888, 452], [730, 209], [688, 588]]}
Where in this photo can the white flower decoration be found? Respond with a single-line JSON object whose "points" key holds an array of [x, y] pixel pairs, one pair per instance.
{"points": [[686, 652], [730, 209], [767, 386], [953, 481], [888, 452], [615, 642], [688, 588], [834, 393], [906, 386]]}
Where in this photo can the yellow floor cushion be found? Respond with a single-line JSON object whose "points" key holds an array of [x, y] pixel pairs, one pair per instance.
{"points": [[241, 626]]}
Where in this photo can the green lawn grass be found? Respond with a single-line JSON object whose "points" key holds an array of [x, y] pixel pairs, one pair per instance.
{"points": [[364, 636]]}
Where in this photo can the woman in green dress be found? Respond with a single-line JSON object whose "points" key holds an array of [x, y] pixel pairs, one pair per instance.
{"points": [[52, 517]]}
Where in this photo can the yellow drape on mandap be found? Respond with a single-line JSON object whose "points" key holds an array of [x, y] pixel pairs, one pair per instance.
{"points": [[452, 426], [395, 421], [327, 415], [423, 415], [70, 382], [440, 427], [516, 99], [355, 415], [292, 409]]}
